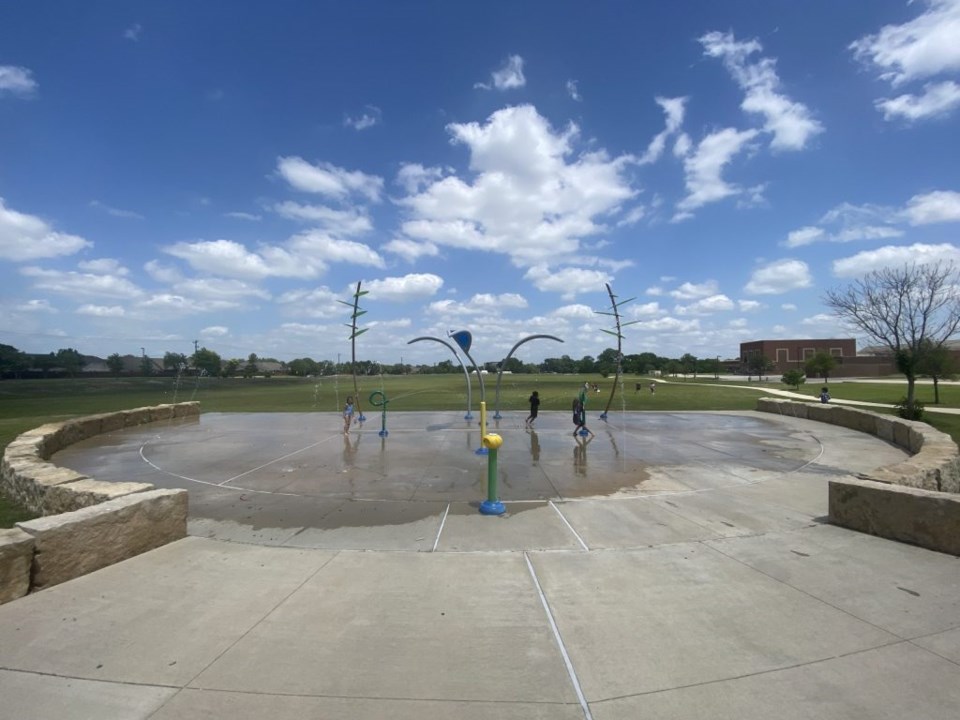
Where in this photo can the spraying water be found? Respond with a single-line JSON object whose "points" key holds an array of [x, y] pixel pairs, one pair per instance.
{"points": [[196, 385]]}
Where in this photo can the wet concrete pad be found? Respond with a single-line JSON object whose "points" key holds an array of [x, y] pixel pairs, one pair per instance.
{"points": [[524, 526]]}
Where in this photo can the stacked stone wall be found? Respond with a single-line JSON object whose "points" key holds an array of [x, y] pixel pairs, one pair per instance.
{"points": [[916, 501], [85, 523]]}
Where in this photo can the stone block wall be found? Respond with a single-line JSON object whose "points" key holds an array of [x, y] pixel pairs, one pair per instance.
{"points": [[86, 524], [916, 501]]}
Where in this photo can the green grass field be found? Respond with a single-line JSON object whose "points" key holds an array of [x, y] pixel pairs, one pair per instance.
{"points": [[25, 404]]}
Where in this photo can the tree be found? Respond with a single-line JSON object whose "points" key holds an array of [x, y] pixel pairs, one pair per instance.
{"points": [[794, 378], [758, 365], [937, 363], [231, 367], [303, 367], [146, 366], [12, 361], [251, 369], [207, 361], [70, 360], [820, 365], [174, 361], [115, 364], [688, 364], [906, 309]]}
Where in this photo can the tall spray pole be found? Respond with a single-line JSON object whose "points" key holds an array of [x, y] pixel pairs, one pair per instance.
{"points": [[354, 333], [618, 334]]}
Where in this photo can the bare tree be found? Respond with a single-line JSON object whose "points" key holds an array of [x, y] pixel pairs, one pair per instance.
{"points": [[909, 310]]}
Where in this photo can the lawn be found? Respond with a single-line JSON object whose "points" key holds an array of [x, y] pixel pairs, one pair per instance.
{"points": [[25, 404]]}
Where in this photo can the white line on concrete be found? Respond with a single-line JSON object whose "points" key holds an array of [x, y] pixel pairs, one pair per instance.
{"points": [[440, 530], [556, 634], [275, 460], [204, 482], [567, 523]]}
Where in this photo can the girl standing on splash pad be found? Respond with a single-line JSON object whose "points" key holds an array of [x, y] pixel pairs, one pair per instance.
{"points": [[347, 415]]}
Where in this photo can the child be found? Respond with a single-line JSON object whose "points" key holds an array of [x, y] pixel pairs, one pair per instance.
{"points": [[534, 408], [824, 395], [347, 415], [580, 418]]}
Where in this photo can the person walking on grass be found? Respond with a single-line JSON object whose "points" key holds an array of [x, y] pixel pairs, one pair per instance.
{"points": [[534, 408], [347, 415]]}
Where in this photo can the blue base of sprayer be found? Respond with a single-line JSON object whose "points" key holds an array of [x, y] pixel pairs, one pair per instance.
{"points": [[583, 433], [497, 415], [468, 416], [361, 418], [603, 416], [481, 451], [383, 433], [492, 507]]}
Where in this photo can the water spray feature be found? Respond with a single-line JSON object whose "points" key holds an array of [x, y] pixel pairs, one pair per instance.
{"points": [[354, 333], [618, 334]]}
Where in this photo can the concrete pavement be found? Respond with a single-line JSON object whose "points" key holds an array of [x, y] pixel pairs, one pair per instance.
{"points": [[707, 588]]}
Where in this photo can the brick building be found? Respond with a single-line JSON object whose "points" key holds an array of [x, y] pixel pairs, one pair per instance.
{"points": [[792, 354]]}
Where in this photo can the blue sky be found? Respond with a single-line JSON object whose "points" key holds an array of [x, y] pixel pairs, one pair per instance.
{"points": [[226, 171]]}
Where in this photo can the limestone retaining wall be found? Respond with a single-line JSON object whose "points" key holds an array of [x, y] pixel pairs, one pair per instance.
{"points": [[915, 501], [86, 524]]}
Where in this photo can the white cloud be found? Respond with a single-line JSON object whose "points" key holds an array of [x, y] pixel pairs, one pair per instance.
{"points": [[317, 247], [162, 273], [779, 277], [574, 311], [705, 166], [804, 236], [921, 48], [108, 311], [508, 77], [790, 122], [692, 291], [103, 266], [937, 99], [632, 216], [573, 91], [413, 177], [405, 288], [668, 324], [749, 305], [328, 179], [569, 282], [219, 290], [215, 331], [894, 256], [27, 237], [132, 33], [706, 306], [243, 216], [226, 257], [372, 115], [32, 306], [938, 206], [410, 250], [353, 221], [526, 200], [81, 284], [819, 320], [503, 300], [673, 108], [645, 310], [318, 302], [16, 81], [115, 212], [789, 307]]}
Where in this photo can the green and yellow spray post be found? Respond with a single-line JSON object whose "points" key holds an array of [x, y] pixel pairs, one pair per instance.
{"points": [[491, 443]]}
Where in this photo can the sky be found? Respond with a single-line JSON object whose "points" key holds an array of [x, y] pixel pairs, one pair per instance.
{"points": [[224, 173]]}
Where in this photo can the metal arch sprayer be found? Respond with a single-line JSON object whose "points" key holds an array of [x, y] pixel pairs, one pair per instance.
{"points": [[466, 375], [618, 334], [354, 333], [503, 364]]}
